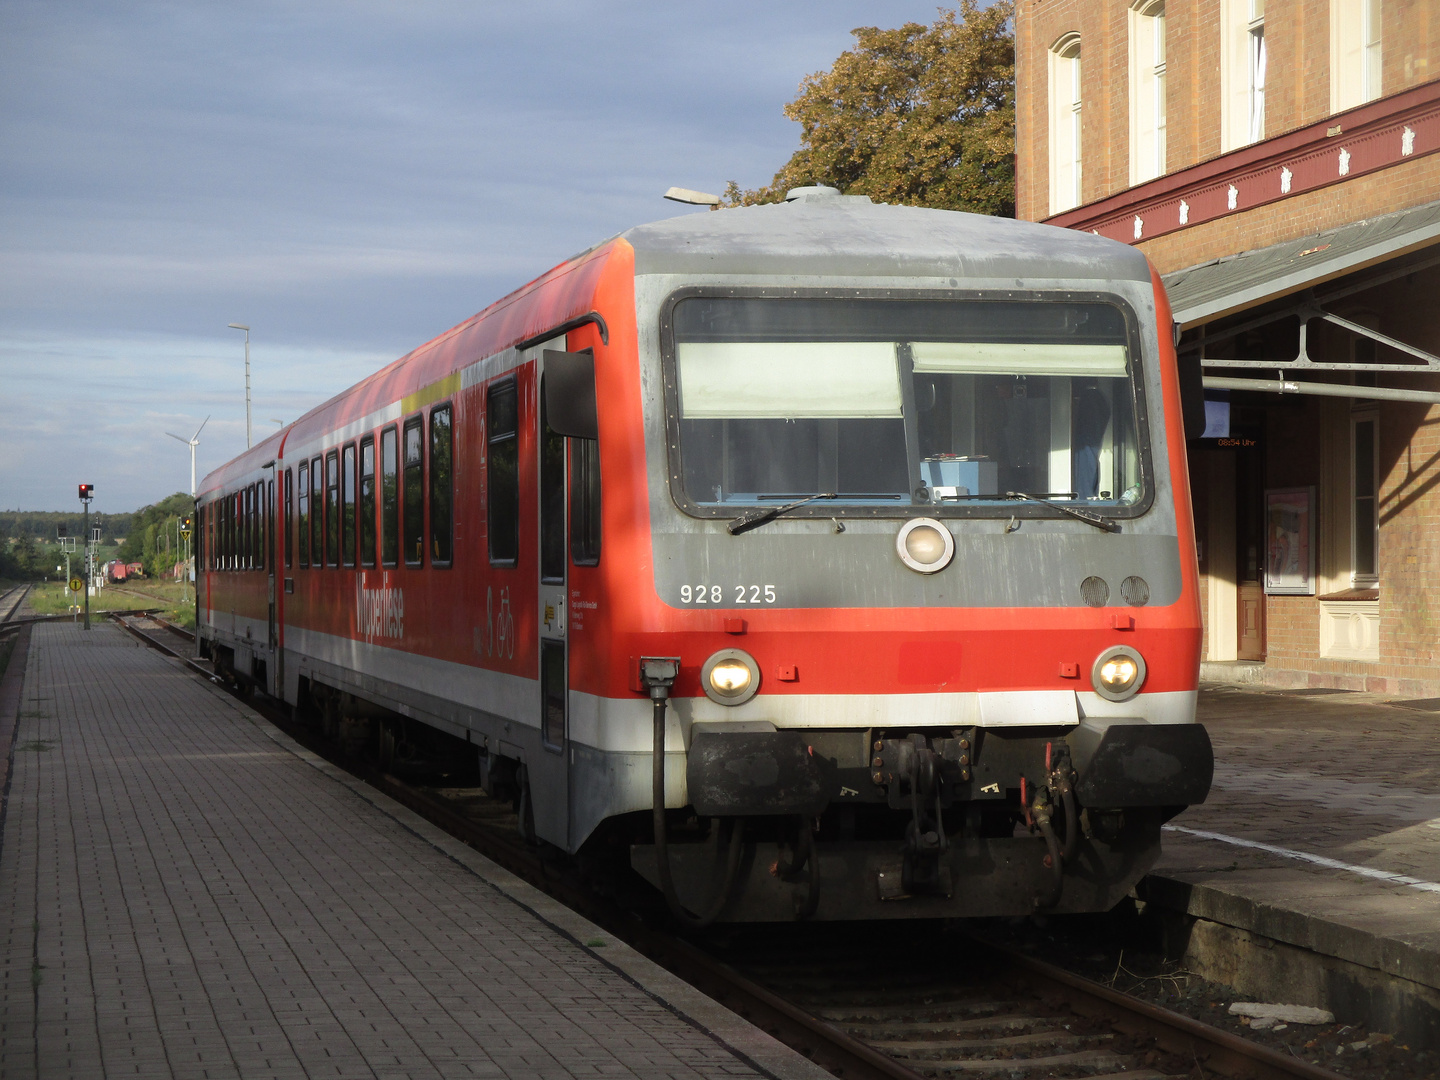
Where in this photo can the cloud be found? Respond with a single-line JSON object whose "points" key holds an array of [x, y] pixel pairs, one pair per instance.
{"points": [[349, 178]]}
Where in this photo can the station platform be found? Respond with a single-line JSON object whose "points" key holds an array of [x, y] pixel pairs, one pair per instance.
{"points": [[1311, 875], [186, 892]]}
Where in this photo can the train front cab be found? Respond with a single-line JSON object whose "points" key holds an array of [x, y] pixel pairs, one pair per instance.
{"points": [[973, 625]]}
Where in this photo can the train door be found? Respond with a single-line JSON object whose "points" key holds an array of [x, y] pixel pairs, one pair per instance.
{"points": [[272, 561], [550, 769]]}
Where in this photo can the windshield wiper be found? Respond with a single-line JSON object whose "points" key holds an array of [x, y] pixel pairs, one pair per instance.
{"points": [[1089, 519], [756, 518]]}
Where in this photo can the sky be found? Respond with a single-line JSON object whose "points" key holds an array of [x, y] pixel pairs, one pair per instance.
{"points": [[348, 179]]}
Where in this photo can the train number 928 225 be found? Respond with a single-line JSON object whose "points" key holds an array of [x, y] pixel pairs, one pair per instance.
{"points": [[727, 594]]}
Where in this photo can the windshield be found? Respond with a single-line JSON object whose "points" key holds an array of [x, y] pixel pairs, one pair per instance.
{"points": [[904, 402]]}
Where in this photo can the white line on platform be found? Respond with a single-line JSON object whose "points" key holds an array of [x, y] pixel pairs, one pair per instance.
{"points": [[1318, 860]]}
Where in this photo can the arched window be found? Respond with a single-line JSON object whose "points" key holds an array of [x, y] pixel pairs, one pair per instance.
{"points": [[1065, 123], [1147, 90]]}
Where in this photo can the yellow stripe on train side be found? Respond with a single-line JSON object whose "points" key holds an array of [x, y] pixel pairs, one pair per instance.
{"points": [[436, 391]]}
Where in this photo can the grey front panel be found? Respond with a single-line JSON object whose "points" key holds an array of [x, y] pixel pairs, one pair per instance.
{"points": [[808, 565]]}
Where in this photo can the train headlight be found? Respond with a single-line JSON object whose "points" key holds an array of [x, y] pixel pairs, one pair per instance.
{"points": [[925, 545], [730, 677], [1119, 673]]}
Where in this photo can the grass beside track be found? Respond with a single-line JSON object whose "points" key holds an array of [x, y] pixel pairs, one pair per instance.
{"points": [[174, 600]]}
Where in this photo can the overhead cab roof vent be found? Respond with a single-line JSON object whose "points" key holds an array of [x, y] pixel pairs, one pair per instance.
{"points": [[819, 191]]}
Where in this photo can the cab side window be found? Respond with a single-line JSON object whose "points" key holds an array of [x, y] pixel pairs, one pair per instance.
{"points": [[585, 502]]}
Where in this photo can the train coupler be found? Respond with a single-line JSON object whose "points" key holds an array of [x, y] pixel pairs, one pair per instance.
{"points": [[915, 771]]}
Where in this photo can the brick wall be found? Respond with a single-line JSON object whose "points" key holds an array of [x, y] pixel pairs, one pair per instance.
{"points": [[1297, 39], [1411, 183], [1104, 116]]}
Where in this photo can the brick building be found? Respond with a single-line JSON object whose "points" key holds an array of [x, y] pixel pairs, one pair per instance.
{"points": [[1279, 163]]}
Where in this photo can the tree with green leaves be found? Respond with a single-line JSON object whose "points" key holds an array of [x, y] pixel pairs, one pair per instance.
{"points": [[919, 115]]}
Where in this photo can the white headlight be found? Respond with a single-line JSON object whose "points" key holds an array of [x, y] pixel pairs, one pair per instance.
{"points": [[1118, 674], [730, 677], [925, 545]]}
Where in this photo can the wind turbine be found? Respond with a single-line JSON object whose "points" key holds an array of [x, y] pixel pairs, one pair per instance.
{"points": [[192, 442]]}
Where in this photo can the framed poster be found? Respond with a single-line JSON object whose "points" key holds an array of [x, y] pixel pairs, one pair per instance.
{"points": [[1290, 541]]}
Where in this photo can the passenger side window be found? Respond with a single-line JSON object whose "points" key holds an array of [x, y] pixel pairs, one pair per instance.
{"points": [[367, 501], [317, 512], [266, 491], [289, 518], [441, 491], [332, 508], [347, 488], [503, 474], [389, 498], [414, 494], [303, 520]]}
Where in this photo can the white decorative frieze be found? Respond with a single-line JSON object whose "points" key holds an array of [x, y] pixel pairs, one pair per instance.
{"points": [[1350, 629]]}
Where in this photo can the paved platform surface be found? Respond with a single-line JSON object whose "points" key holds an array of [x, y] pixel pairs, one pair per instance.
{"points": [[1341, 793], [185, 892]]}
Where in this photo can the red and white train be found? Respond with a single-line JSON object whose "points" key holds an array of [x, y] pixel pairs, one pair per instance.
{"points": [[875, 517]]}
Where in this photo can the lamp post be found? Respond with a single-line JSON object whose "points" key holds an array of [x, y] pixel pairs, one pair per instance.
{"points": [[242, 326]]}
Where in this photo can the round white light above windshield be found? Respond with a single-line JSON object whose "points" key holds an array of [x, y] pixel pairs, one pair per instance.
{"points": [[925, 545]]}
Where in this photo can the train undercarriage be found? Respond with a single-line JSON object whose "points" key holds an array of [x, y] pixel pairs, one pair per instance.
{"points": [[850, 824], [925, 824]]}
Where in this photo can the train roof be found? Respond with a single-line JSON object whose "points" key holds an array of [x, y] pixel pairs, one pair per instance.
{"points": [[816, 234], [853, 237]]}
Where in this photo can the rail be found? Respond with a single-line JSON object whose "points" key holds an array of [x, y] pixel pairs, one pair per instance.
{"points": [[10, 603]]}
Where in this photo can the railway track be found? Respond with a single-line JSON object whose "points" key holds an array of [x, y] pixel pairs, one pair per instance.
{"points": [[893, 1001], [10, 602]]}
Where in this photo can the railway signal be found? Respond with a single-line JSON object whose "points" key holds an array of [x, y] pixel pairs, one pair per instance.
{"points": [[87, 492]]}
